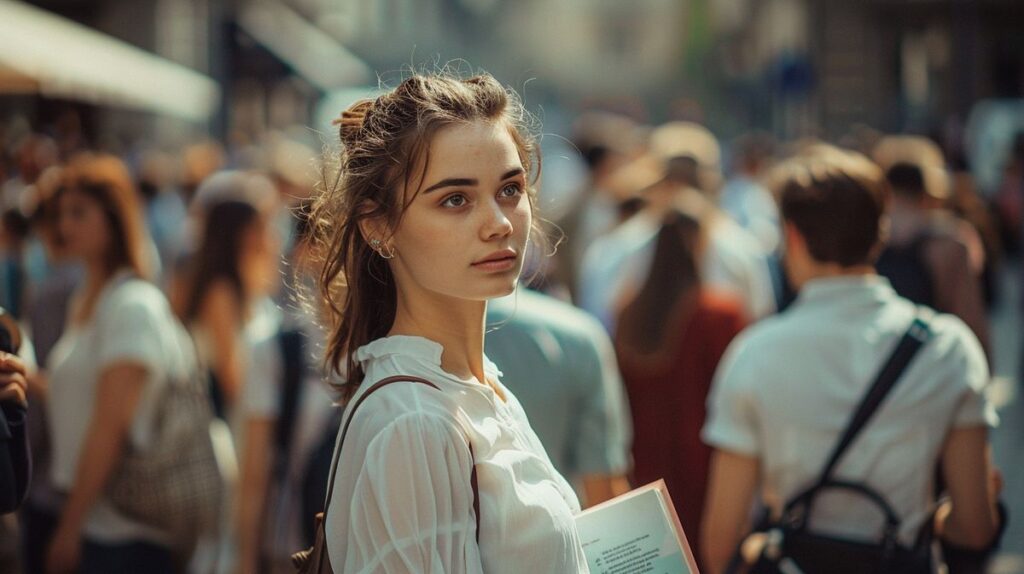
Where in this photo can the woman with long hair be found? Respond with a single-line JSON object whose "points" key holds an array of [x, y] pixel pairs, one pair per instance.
{"points": [[431, 217], [233, 269], [670, 337], [223, 299], [121, 346]]}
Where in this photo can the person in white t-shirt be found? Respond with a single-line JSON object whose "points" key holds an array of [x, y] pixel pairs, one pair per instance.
{"points": [[270, 524], [233, 268], [431, 218], [286, 415], [786, 388], [121, 345]]}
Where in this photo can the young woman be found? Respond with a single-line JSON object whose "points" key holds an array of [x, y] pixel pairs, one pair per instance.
{"points": [[670, 336], [120, 346], [233, 270], [430, 219], [224, 302], [287, 413]]}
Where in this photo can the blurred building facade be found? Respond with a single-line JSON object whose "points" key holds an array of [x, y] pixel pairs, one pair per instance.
{"points": [[795, 67], [903, 64]]}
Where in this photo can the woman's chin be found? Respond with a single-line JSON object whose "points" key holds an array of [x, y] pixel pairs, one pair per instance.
{"points": [[502, 290], [492, 288]]}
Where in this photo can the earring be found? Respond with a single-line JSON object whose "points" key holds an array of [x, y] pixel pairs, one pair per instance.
{"points": [[376, 246]]}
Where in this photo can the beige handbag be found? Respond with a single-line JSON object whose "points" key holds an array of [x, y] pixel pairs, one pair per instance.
{"points": [[175, 484]]}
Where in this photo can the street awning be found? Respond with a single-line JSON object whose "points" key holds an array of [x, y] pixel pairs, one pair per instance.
{"points": [[304, 47], [43, 53]]}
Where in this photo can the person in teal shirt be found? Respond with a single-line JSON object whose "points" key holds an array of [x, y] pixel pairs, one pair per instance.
{"points": [[559, 362]]}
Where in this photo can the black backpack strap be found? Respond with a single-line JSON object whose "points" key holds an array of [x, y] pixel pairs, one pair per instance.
{"points": [[916, 336], [292, 345], [344, 431]]}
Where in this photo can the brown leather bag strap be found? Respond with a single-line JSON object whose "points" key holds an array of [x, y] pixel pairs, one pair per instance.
{"points": [[476, 490], [344, 431]]}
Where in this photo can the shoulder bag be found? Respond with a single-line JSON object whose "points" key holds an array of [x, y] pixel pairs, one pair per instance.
{"points": [[792, 547], [315, 560], [175, 483]]}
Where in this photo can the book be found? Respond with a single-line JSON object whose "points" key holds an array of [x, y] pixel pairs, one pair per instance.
{"points": [[636, 533]]}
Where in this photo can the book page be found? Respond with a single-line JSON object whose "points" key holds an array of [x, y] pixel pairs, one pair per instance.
{"points": [[636, 533]]}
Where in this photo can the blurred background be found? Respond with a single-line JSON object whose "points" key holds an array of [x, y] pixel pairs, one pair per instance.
{"points": [[124, 71], [124, 75], [182, 88]]}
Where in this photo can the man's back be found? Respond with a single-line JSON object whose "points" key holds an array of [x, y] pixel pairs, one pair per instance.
{"points": [[907, 269], [787, 387], [935, 259], [560, 364]]}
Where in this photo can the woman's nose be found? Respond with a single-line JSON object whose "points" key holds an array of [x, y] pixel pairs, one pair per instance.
{"points": [[497, 223]]}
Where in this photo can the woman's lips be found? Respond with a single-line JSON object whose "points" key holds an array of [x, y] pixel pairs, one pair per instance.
{"points": [[498, 262]]}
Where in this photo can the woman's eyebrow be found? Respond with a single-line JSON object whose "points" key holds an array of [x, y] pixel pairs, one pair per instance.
{"points": [[468, 182], [512, 173], [452, 182]]}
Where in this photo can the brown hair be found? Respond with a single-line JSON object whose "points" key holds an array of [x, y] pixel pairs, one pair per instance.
{"points": [[105, 179], [668, 291], [219, 256], [385, 145], [836, 199]]}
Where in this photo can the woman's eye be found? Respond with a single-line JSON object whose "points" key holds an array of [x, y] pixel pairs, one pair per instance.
{"points": [[511, 190], [456, 200]]}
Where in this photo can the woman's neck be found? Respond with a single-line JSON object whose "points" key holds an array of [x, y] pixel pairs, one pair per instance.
{"points": [[457, 324], [96, 276]]}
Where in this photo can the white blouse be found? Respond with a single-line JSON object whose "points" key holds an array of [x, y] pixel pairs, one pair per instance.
{"points": [[402, 499]]}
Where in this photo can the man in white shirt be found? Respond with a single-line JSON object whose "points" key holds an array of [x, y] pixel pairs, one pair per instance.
{"points": [[787, 387]]}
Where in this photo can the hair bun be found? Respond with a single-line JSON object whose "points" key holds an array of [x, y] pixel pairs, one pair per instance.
{"points": [[350, 124]]}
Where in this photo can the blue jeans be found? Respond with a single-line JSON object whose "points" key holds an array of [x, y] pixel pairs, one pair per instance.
{"points": [[126, 558]]}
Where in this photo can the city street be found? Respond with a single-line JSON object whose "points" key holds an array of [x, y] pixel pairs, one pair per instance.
{"points": [[210, 208]]}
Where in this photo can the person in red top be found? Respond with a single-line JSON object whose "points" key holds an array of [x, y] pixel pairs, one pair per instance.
{"points": [[670, 337]]}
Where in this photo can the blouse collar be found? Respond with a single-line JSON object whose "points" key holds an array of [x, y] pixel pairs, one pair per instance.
{"points": [[419, 348]]}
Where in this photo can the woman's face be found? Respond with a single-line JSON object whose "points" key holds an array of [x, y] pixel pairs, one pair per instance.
{"points": [[82, 225], [464, 235]]}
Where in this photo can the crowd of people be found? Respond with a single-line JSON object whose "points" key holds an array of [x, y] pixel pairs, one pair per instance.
{"points": [[125, 276], [711, 315]]}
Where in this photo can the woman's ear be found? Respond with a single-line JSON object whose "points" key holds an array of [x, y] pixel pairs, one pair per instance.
{"points": [[373, 226], [370, 228]]}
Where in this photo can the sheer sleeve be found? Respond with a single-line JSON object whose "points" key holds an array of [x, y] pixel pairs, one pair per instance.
{"points": [[411, 508]]}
